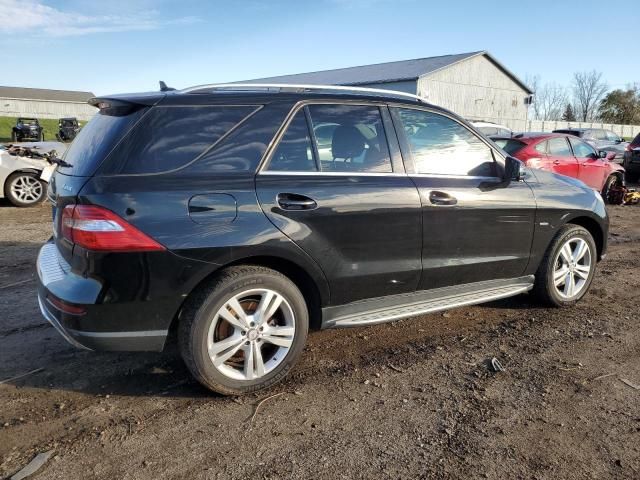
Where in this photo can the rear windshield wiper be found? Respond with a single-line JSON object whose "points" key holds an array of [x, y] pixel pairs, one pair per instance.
{"points": [[60, 162]]}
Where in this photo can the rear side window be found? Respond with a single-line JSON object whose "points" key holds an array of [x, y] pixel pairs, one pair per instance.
{"points": [[294, 152], [341, 138], [542, 147], [558, 147], [95, 141], [442, 146], [170, 137]]}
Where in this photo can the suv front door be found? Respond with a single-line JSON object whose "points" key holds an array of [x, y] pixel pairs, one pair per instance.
{"points": [[346, 200], [476, 226], [591, 168]]}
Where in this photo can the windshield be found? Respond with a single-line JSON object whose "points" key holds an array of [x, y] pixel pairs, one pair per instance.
{"points": [[95, 141], [28, 121]]}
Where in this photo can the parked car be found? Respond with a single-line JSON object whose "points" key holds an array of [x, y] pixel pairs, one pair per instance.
{"points": [[27, 129], [210, 213], [600, 139], [490, 129], [68, 128], [566, 155], [21, 169], [632, 159]]}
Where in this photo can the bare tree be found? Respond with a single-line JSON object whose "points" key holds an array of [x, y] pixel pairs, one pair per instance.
{"points": [[588, 91], [549, 99]]}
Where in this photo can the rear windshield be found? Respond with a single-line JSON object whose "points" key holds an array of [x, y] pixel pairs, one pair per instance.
{"points": [[171, 137], [575, 133], [95, 141], [510, 145]]}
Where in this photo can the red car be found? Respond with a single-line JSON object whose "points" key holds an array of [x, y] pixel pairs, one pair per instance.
{"points": [[567, 155]]}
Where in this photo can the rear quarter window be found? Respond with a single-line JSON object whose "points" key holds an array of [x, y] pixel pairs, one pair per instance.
{"points": [[167, 138]]}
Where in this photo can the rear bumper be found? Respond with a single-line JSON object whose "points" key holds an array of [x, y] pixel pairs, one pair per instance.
{"points": [[101, 326]]}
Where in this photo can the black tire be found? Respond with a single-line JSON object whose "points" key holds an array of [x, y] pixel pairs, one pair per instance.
{"points": [[41, 137], [613, 180], [544, 288], [14, 199], [201, 309], [14, 137]]}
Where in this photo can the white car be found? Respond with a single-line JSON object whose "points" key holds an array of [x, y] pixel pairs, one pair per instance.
{"points": [[492, 129], [21, 177]]}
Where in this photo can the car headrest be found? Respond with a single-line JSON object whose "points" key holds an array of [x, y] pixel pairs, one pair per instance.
{"points": [[347, 142]]}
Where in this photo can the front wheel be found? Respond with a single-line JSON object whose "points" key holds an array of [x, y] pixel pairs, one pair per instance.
{"points": [[568, 267], [25, 189], [243, 331], [611, 192]]}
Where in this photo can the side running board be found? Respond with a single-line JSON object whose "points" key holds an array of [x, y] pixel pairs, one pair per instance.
{"points": [[387, 309]]}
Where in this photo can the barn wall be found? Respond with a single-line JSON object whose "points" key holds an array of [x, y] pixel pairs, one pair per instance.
{"points": [[476, 89], [407, 86], [11, 107]]}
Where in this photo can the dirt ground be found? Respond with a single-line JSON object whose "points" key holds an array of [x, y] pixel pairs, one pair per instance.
{"points": [[410, 399]]}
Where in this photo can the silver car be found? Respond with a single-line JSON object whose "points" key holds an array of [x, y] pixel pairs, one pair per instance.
{"points": [[600, 139]]}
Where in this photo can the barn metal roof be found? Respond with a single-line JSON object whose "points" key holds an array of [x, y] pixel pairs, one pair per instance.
{"points": [[45, 94], [399, 71]]}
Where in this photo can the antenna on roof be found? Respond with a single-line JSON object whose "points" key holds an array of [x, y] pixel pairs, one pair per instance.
{"points": [[164, 88]]}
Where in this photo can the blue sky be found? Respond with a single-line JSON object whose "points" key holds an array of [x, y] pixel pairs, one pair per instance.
{"points": [[121, 46]]}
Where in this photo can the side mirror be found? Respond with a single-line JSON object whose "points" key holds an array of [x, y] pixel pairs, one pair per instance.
{"points": [[513, 169], [603, 154]]}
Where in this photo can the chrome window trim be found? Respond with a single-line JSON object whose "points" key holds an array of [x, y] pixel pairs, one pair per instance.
{"points": [[336, 174]]}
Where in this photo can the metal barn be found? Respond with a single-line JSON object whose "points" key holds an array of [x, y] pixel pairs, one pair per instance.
{"points": [[43, 103], [474, 85]]}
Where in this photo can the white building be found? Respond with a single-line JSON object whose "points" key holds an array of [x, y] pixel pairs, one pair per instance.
{"points": [[474, 85], [43, 103]]}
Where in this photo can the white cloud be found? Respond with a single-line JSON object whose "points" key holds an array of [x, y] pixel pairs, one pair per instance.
{"points": [[36, 18]]}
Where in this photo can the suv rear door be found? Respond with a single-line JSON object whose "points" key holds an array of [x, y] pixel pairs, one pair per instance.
{"points": [[476, 226], [346, 201]]}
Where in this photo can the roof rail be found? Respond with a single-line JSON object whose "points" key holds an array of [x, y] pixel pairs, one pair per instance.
{"points": [[286, 87]]}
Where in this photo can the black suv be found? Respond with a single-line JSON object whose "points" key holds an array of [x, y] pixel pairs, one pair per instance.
{"points": [[27, 129], [239, 217]]}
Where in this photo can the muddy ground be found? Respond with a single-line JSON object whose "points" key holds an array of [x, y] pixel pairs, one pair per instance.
{"points": [[410, 399]]}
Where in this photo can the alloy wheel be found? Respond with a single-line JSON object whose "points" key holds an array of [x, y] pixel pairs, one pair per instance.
{"points": [[26, 189], [251, 334], [572, 267]]}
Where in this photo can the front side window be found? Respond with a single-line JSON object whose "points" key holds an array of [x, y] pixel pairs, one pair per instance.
{"points": [[582, 149], [558, 147], [442, 146], [612, 137]]}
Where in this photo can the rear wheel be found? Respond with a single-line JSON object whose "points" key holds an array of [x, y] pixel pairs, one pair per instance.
{"points": [[244, 331], [25, 189], [14, 137], [567, 269]]}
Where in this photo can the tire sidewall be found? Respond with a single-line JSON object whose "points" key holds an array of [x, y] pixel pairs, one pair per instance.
{"points": [[575, 232], [17, 202], [205, 315]]}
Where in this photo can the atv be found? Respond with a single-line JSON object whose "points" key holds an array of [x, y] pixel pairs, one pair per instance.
{"points": [[68, 128], [27, 129]]}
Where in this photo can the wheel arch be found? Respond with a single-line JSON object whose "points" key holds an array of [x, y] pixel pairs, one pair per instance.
{"points": [[35, 171], [594, 228]]}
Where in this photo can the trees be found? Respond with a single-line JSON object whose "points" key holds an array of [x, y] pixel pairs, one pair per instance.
{"points": [[568, 115], [621, 106], [588, 91], [549, 99]]}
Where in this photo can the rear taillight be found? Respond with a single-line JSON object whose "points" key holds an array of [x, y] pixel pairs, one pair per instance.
{"points": [[66, 307], [96, 228]]}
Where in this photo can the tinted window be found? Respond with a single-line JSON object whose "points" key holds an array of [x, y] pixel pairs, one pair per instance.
{"points": [[350, 138], [95, 141], [541, 147], [170, 137], [510, 145], [558, 147], [575, 133], [636, 141], [581, 149], [440, 145], [294, 152]]}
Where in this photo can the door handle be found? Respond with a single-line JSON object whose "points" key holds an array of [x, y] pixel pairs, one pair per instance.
{"points": [[293, 201], [442, 198], [556, 162]]}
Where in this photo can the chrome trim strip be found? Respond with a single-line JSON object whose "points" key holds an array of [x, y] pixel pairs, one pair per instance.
{"points": [[292, 87], [53, 321], [336, 174], [134, 334]]}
